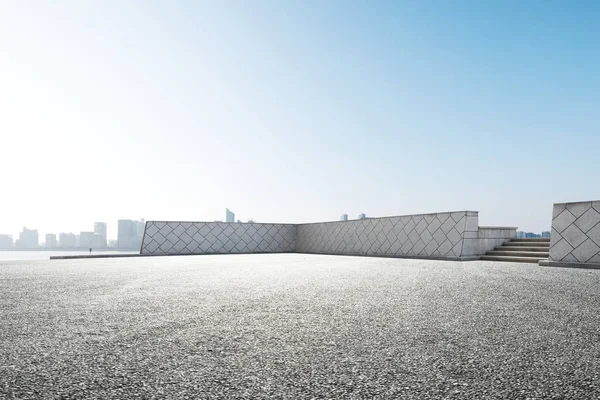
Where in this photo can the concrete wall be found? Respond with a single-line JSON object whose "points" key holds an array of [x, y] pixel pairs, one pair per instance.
{"points": [[575, 236], [439, 235], [489, 237], [450, 235], [163, 238]]}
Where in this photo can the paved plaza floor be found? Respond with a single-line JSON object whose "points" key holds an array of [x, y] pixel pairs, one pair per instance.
{"points": [[295, 326]]}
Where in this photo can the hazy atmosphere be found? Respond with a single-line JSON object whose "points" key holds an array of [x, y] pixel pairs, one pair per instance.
{"points": [[295, 112]]}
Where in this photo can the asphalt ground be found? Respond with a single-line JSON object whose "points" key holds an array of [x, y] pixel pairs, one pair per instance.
{"points": [[296, 326]]}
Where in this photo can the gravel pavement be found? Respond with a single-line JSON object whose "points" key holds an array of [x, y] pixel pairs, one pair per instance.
{"points": [[296, 326]]}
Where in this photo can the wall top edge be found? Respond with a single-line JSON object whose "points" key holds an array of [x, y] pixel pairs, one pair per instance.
{"points": [[577, 202], [467, 212], [498, 227], [222, 222], [392, 216]]}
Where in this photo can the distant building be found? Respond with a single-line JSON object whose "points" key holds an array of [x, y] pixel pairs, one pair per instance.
{"points": [[112, 243], [138, 229], [51, 241], [67, 240], [238, 221], [545, 234], [229, 216], [86, 240], [344, 217], [6, 242], [125, 234], [130, 234], [100, 230], [98, 242], [28, 239], [531, 235], [361, 216]]}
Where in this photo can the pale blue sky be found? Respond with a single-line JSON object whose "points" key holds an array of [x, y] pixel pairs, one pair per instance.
{"points": [[296, 111]]}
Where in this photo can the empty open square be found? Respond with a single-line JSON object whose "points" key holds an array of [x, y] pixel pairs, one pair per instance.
{"points": [[297, 326]]}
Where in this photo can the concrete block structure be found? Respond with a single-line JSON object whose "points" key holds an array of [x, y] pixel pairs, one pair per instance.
{"points": [[440, 235], [489, 237], [448, 235], [575, 236], [172, 237]]}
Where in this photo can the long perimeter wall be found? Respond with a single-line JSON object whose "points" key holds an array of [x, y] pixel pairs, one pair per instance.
{"points": [[450, 235], [172, 237], [440, 235]]}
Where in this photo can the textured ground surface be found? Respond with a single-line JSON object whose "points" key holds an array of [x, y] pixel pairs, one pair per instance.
{"points": [[297, 326]]}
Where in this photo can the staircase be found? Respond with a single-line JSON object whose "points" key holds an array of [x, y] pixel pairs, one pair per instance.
{"points": [[520, 250]]}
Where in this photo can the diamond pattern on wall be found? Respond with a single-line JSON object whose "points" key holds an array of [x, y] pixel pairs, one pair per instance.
{"points": [[430, 235], [162, 238], [575, 233]]}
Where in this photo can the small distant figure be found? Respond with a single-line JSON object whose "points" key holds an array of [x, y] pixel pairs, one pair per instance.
{"points": [[90, 250]]}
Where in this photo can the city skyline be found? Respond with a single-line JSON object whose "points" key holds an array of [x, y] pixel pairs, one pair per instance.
{"points": [[101, 228], [433, 107], [32, 238]]}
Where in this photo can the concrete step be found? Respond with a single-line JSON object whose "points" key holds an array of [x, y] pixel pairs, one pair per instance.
{"points": [[531, 240], [543, 249], [541, 254], [526, 244], [531, 260]]}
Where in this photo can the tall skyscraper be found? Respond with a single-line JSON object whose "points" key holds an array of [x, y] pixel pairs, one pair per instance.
{"points": [[125, 234], [50, 241], [86, 240], [6, 242], [28, 239], [361, 216], [229, 216], [130, 234], [100, 230], [67, 240], [344, 217], [138, 228]]}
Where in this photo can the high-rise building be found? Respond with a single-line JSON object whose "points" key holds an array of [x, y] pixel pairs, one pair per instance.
{"points": [[50, 240], [125, 234], [130, 234], [531, 235], [361, 216], [86, 240], [98, 242], [28, 239], [138, 227], [344, 217], [545, 234], [6, 242], [229, 216], [100, 230], [67, 240]]}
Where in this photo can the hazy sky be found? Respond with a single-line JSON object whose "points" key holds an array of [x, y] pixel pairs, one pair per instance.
{"points": [[296, 111]]}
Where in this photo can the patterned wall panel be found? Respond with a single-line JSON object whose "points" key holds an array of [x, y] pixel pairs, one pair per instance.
{"points": [[162, 238], [426, 235], [575, 236]]}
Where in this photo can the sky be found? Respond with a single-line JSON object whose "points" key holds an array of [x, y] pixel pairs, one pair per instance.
{"points": [[295, 111]]}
